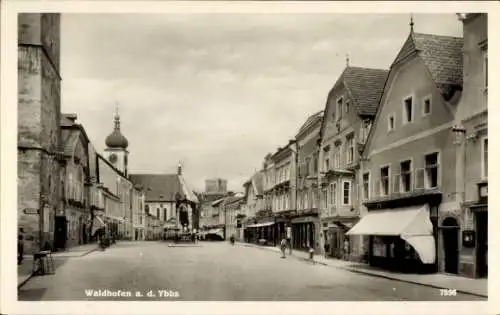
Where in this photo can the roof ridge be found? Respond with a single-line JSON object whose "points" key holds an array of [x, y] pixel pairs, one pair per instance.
{"points": [[438, 35]]}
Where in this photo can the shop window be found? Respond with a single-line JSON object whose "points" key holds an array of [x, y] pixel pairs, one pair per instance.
{"points": [[366, 186], [431, 170], [484, 153], [346, 193], [406, 176], [384, 180]]}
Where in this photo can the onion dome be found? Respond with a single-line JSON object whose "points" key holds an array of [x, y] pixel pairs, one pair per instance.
{"points": [[116, 139]]}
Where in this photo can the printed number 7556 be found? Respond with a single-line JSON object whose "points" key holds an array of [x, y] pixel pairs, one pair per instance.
{"points": [[448, 292]]}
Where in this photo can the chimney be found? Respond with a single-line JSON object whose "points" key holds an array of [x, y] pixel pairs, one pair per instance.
{"points": [[71, 117], [179, 169]]}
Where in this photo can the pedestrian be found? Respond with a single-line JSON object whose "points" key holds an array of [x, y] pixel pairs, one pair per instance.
{"points": [[289, 239], [283, 247], [20, 248], [311, 254], [346, 249]]}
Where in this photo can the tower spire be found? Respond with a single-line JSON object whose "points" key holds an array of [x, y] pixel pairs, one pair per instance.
{"points": [[411, 23], [117, 118]]}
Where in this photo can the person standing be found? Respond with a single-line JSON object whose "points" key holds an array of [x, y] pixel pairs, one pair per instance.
{"points": [[289, 239], [20, 248]]}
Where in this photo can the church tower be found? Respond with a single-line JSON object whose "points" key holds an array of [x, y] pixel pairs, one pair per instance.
{"points": [[116, 148]]}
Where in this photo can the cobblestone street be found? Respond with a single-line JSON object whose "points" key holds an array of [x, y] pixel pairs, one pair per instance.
{"points": [[215, 271]]}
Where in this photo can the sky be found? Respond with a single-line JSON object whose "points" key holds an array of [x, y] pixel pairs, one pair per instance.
{"points": [[217, 91]]}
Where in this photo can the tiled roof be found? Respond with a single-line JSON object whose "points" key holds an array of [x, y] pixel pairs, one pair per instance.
{"points": [[442, 55], [366, 86], [258, 183], [65, 121], [158, 186], [310, 120]]}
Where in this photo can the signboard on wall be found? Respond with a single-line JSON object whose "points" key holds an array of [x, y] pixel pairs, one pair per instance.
{"points": [[46, 218]]}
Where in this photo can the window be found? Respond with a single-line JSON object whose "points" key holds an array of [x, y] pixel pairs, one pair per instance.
{"points": [[431, 170], [426, 110], [158, 213], [485, 158], [314, 196], [324, 198], [327, 164], [384, 180], [390, 122], [306, 201], [346, 193], [333, 197], [337, 156], [366, 185], [339, 108], [365, 129], [347, 107], [165, 214], [406, 175], [315, 163], [350, 150], [408, 110]]}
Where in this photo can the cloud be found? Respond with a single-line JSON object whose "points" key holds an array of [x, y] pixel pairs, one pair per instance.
{"points": [[217, 91]]}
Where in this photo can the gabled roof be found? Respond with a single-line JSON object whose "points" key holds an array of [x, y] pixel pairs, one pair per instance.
{"points": [[442, 55], [159, 186], [314, 118], [365, 86]]}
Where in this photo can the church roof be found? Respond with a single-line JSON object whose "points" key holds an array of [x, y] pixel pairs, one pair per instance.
{"points": [[116, 138], [159, 186]]}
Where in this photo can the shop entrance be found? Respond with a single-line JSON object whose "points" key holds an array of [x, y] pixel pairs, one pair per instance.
{"points": [[482, 244], [450, 230]]}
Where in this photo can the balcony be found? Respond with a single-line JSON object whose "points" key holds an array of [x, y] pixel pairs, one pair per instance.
{"points": [[414, 186]]}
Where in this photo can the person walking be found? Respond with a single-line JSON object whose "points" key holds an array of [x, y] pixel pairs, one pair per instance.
{"points": [[289, 239], [346, 249], [283, 247], [311, 254]]}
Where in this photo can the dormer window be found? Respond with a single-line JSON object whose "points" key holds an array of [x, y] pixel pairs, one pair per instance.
{"points": [[408, 110]]}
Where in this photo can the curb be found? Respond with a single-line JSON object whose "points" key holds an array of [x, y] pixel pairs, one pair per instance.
{"points": [[378, 275], [409, 281], [24, 281], [32, 275]]}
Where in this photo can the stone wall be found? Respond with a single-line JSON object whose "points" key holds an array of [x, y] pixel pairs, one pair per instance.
{"points": [[38, 127]]}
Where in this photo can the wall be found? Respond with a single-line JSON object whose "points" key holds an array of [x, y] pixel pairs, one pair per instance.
{"points": [[38, 126]]}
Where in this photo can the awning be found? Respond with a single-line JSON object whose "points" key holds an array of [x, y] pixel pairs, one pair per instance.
{"points": [[260, 224], [215, 231], [412, 224], [98, 224]]}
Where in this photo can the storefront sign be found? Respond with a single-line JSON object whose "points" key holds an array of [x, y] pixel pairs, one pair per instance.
{"points": [[30, 211]]}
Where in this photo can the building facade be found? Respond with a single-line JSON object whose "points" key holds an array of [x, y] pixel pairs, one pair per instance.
{"points": [[72, 224], [39, 134], [471, 130], [349, 113], [403, 169], [168, 198], [253, 204], [305, 224]]}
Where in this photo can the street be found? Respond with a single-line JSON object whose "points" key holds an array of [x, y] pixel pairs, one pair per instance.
{"points": [[213, 271]]}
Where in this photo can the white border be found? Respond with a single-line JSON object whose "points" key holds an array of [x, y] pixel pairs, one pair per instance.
{"points": [[8, 157]]}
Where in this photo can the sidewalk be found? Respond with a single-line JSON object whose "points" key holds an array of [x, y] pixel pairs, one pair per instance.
{"points": [[24, 271], [478, 287]]}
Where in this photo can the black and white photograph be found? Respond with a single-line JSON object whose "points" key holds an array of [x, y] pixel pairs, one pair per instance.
{"points": [[249, 156]]}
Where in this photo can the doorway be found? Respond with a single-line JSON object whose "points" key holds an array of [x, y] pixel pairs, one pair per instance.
{"points": [[482, 244], [61, 226], [450, 230]]}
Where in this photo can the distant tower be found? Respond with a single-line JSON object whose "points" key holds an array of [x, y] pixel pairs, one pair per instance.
{"points": [[116, 147]]}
